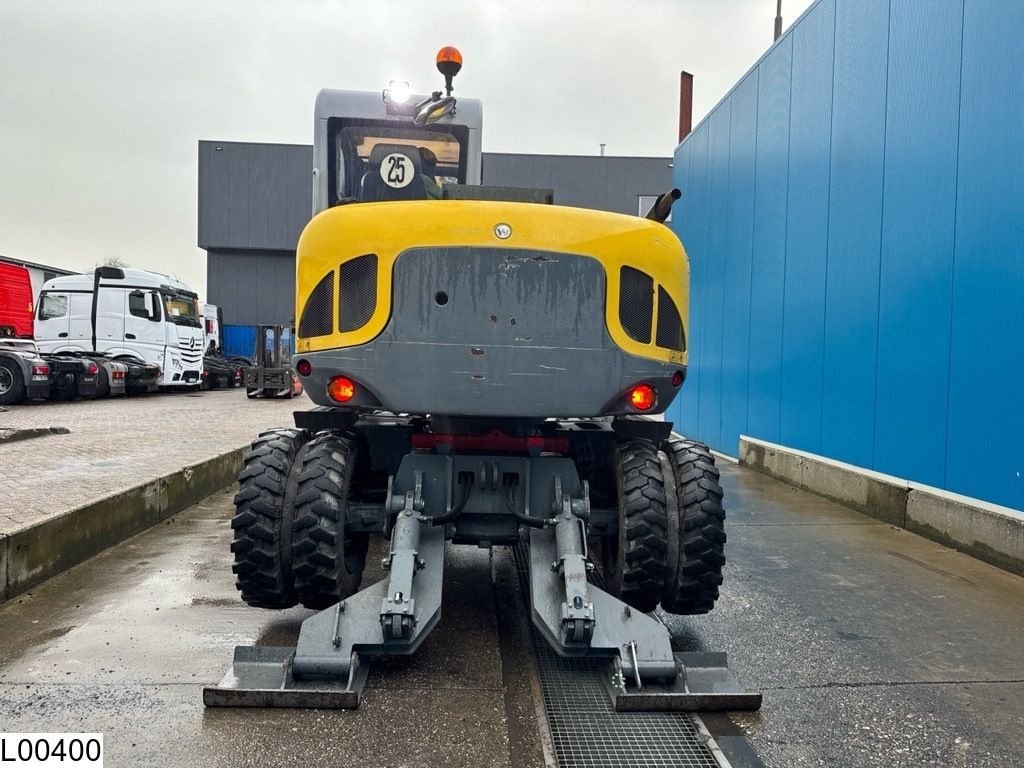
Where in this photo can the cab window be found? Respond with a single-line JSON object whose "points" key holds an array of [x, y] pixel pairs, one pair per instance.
{"points": [[182, 309], [144, 304], [53, 305], [428, 158]]}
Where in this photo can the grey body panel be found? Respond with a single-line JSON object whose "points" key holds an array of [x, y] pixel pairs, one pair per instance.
{"points": [[506, 193], [521, 333]]}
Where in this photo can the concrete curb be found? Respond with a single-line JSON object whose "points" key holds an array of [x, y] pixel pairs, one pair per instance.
{"points": [[872, 493], [35, 553], [986, 531], [13, 435]]}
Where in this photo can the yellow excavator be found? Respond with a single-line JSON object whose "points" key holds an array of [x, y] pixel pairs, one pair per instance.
{"points": [[484, 363]]}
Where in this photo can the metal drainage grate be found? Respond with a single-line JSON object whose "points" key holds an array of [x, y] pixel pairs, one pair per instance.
{"points": [[588, 733]]}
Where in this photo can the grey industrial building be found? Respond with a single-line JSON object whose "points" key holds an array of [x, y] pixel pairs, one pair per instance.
{"points": [[254, 200]]}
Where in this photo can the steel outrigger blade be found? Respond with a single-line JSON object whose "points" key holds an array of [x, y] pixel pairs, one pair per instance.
{"points": [[328, 667], [644, 673], [704, 683], [261, 676]]}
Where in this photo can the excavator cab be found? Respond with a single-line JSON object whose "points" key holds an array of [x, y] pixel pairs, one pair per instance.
{"points": [[372, 159]]}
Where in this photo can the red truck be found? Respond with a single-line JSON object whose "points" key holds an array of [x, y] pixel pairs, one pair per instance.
{"points": [[16, 306]]}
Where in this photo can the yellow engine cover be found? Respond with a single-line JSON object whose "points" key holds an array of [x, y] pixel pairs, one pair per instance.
{"points": [[387, 229]]}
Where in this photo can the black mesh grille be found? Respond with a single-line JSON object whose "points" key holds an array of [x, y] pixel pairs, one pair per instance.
{"points": [[587, 732], [636, 304], [319, 309], [358, 287], [670, 327]]}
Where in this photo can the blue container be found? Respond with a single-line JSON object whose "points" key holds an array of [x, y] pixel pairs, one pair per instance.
{"points": [[238, 340]]}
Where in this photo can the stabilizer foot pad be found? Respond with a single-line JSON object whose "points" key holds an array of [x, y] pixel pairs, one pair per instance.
{"points": [[704, 684], [261, 676]]}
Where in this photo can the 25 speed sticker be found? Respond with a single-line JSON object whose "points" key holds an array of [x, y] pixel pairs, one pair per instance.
{"points": [[45, 750]]}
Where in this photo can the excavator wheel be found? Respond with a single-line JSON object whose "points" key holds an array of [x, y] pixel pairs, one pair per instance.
{"points": [[696, 529], [634, 563], [262, 524], [327, 561]]}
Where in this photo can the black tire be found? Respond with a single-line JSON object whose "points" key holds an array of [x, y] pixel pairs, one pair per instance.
{"points": [[697, 537], [264, 512], [327, 561], [63, 388], [12, 382], [634, 563], [102, 383]]}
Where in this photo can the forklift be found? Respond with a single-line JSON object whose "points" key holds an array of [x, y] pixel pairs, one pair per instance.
{"points": [[271, 373], [484, 364]]}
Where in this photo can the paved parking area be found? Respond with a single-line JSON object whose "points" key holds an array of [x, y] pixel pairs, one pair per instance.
{"points": [[119, 443]]}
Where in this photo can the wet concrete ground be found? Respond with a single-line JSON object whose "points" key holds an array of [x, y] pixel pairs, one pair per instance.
{"points": [[123, 643], [872, 647]]}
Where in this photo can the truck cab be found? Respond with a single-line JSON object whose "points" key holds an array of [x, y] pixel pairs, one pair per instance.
{"points": [[129, 313], [15, 301], [212, 322]]}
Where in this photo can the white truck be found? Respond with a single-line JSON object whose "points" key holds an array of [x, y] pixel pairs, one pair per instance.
{"points": [[212, 325], [126, 313]]}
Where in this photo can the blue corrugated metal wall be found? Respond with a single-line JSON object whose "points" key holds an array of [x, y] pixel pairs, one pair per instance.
{"points": [[854, 215]]}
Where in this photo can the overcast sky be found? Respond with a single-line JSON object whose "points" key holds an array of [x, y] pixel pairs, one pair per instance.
{"points": [[102, 103]]}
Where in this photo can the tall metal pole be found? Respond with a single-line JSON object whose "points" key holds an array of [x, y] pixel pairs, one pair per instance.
{"points": [[778, 19]]}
